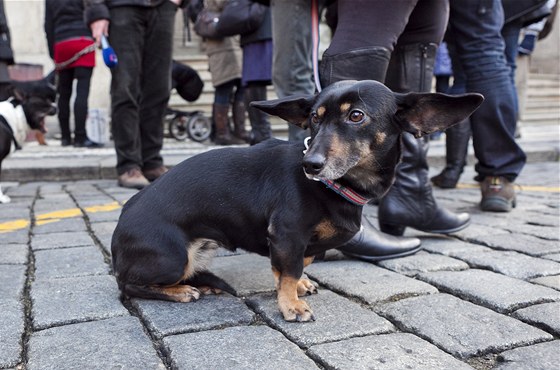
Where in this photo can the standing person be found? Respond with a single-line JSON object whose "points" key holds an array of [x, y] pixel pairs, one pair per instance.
{"points": [[475, 32], [141, 33], [395, 42], [257, 75], [292, 69], [292, 75], [224, 62], [73, 50], [6, 54]]}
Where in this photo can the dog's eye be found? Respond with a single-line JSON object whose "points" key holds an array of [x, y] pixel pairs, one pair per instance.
{"points": [[356, 116], [314, 118]]}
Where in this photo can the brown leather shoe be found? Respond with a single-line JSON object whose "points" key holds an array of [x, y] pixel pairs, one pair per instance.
{"points": [[133, 179], [154, 173], [498, 194]]}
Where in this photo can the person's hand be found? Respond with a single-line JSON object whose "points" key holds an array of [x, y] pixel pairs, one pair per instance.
{"points": [[99, 28]]}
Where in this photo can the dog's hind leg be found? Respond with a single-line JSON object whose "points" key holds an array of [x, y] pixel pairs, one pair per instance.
{"points": [[175, 293]]}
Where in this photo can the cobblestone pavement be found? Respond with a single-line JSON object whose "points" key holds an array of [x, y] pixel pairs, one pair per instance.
{"points": [[487, 297]]}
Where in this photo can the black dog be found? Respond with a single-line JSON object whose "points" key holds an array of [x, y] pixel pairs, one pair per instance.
{"points": [[260, 199], [31, 102]]}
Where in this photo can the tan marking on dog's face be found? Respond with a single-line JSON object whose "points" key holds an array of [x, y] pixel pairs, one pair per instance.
{"points": [[380, 138], [321, 111], [200, 253], [345, 107], [325, 230]]}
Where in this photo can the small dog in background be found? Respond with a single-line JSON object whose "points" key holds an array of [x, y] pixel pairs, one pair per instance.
{"points": [[26, 110], [264, 198]]}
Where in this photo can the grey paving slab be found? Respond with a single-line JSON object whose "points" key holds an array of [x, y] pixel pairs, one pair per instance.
{"points": [[527, 244], [14, 254], [545, 316], [246, 273], [548, 281], [475, 230], [423, 262], [509, 263], [60, 225], [552, 257], [12, 326], [117, 343], [12, 278], [103, 231], [102, 216], [542, 356], [76, 299], [384, 352], [69, 262], [366, 281], [209, 312], [498, 292], [19, 236], [14, 211], [244, 347], [61, 240], [540, 231], [336, 318], [450, 246], [460, 328]]}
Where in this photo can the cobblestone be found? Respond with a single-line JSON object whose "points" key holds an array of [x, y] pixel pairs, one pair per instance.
{"points": [[499, 292], [546, 316], [423, 262], [542, 356], [70, 262], [461, 328]]}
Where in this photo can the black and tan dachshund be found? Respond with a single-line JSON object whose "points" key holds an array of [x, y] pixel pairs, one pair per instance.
{"points": [[271, 198]]}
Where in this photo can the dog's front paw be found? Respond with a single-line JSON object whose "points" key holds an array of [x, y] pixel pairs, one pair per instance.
{"points": [[305, 287], [296, 310]]}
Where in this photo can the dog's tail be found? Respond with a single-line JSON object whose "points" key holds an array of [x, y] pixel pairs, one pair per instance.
{"points": [[206, 278]]}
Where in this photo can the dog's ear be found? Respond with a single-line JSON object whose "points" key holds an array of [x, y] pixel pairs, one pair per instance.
{"points": [[424, 113], [294, 109]]}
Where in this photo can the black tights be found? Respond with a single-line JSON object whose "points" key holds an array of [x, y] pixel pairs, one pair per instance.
{"points": [[66, 78], [383, 23]]}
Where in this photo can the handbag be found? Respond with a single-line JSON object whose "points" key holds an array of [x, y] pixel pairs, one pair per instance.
{"points": [[205, 24], [239, 17]]}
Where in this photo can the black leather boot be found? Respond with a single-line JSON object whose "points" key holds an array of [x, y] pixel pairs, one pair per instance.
{"points": [[410, 201], [361, 64], [371, 245], [260, 125], [366, 64], [457, 145]]}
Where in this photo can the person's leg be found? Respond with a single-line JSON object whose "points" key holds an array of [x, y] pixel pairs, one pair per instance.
{"points": [[220, 110], [239, 112], [292, 70], [126, 35], [260, 123], [83, 78], [155, 82], [349, 58], [64, 87], [475, 30]]}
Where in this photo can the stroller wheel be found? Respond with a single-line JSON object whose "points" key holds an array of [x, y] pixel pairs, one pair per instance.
{"points": [[199, 127], [178, 128]]}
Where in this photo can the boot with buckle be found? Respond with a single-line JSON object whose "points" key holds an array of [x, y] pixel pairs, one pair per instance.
{"points": [[410, 202]]}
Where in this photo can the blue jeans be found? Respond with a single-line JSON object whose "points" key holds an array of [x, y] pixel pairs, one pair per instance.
{"points": [[475, 32], [140, 86]]}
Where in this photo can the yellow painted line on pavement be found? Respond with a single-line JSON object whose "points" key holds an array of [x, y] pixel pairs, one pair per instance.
{"points": [[543, 189], [55, 216]]}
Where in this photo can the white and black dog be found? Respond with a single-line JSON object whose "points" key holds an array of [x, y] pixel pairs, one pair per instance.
{"points": [[26, 110]]}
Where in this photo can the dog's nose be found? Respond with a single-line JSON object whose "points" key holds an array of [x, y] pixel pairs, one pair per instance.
{"points": [[313, 164]]}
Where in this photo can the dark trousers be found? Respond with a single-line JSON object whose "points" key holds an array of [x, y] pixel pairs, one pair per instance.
{"points": [[142, 38], [66, 77], [475, 34]]}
